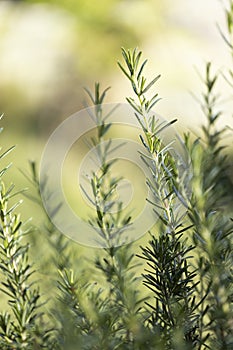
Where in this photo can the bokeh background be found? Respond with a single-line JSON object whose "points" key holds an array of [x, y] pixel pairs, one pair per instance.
{"points": [[50, 50]]}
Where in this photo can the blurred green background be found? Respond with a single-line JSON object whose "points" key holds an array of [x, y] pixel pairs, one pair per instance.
{"points": [[51, 49]]}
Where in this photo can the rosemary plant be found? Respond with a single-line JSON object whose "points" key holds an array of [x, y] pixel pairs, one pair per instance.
{"points": [[65, 310], [23, 326], [212, 227], [116, 263], [183, 300], [61, 253], [173, 314]]}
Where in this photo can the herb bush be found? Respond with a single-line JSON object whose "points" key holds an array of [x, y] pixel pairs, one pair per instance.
{"points": [[183, 299]]}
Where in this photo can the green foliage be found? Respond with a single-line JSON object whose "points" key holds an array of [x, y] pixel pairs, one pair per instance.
{"points": [[168, 275], [183, 299], [23, 327], [212, 228]]}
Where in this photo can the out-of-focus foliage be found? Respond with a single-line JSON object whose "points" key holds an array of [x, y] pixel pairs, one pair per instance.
{"points": [[51, 49]]}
